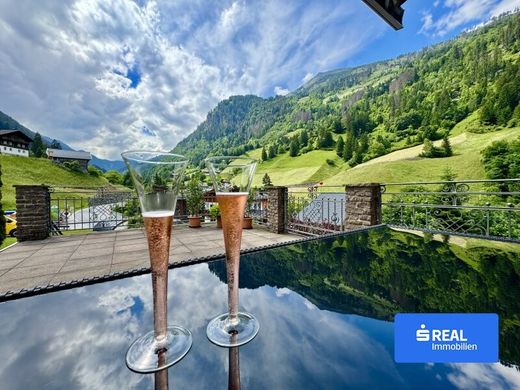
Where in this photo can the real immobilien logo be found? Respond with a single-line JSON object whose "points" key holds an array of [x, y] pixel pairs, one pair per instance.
{"points": [[446, 337]]}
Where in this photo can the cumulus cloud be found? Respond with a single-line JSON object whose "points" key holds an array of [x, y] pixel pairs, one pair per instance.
{"points": [[281, 91], [308, 77], [467, 376], [462, 12], [95, 73]]}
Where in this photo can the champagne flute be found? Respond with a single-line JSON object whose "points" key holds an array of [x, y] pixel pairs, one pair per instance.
{"points": [[234, 368], [232, 177], [157, 177]]}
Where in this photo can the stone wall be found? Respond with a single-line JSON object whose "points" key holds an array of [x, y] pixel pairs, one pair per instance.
{"points": [[277, 209], [363, 205], [32, 212]]}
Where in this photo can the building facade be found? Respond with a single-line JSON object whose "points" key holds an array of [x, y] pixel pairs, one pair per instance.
{"points": [[60, 156], [14, 142]]}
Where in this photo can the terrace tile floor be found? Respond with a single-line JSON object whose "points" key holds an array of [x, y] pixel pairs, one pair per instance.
{"points": [[62, 259]]}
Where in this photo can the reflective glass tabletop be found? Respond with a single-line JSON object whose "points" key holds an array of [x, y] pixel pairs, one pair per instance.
{"points": [[325, 309]]}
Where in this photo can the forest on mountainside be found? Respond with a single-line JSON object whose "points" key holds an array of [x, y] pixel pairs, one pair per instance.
{"points": [[374, 109]]}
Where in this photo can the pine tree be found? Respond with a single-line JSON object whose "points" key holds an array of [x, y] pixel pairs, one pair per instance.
{"points": [[448, 174], [326, 140], [428, 149], [55, 144], [37, 147], [264, 154], [272, 152], [446, 147], [304, 138], [294, 148], [339, 147], [349, 147], [362, 146], [266, 180]]}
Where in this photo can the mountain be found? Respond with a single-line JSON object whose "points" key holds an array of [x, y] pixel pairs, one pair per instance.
{"points": [[108, 165], [8, 123], [470, 84]]}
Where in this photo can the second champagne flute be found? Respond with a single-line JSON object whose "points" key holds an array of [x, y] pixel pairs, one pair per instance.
{"points": [[232, 177]]}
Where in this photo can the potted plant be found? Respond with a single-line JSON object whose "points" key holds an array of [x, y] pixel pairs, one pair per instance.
{"points": [[214, 212], [248, 219], [194, 202]]}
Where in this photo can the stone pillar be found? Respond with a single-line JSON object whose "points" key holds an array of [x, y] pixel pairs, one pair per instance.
{"points": [[33, 205], [363, 205], [277, 209]]}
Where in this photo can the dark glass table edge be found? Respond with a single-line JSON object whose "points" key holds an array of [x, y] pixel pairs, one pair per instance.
{"points": [[40, 290]]}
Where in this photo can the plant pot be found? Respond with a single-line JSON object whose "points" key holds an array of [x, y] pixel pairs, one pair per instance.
{"points": [[219, 222], [247, 223], [194, 222]]}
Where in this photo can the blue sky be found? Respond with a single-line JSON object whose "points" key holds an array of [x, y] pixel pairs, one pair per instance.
{"points": [[112, 75]]}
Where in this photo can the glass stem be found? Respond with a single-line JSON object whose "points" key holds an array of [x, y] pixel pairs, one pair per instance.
{"points": [[158, 231], [161, 377], [234, 368]]}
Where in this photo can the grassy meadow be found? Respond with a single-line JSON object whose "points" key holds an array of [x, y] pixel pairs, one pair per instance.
{"points": [[24, 170], [400, 166]]}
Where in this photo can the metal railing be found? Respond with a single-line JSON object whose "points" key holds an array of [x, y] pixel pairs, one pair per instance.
{"points": [[258, 209], [477, 208], [89, 209], [101, 209], [316, 209]]}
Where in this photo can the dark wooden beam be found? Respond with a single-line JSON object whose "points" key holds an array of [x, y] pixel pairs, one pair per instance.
{"points": [[389, 10]]}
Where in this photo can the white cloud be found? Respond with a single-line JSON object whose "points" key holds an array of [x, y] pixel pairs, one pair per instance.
{"points": [[505, 6], [472, 376], [427, 20], [65, 67], [461, 12], [308, 77], [281, 91]]}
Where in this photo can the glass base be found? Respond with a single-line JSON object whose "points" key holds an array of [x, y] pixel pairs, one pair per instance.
{"points": [[222, 332], [147, 355]]}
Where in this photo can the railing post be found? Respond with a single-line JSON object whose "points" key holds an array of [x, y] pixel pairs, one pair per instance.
{"points": [[363, 205], [33, 211], [277, 209]]}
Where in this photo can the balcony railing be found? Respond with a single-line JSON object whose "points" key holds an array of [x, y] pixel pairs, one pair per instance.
{"points": [[479, 208], [316, 209]]}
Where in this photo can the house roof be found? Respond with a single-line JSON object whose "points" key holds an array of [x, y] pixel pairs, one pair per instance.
{"points": [[71, 154], [17, 132]]}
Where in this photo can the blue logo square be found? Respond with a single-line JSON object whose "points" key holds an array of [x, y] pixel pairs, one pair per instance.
{"points": [[446, 338]]}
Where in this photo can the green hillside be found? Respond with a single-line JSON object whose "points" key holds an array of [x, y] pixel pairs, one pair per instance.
{"points": [[25, 170], [466, 90], [399, 166]]}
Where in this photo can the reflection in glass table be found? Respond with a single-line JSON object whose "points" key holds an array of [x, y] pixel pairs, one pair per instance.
{"points": [[326, 306]]}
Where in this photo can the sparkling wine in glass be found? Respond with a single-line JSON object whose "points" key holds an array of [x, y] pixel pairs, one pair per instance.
{"points": [[232, 177], [157, 177]]}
